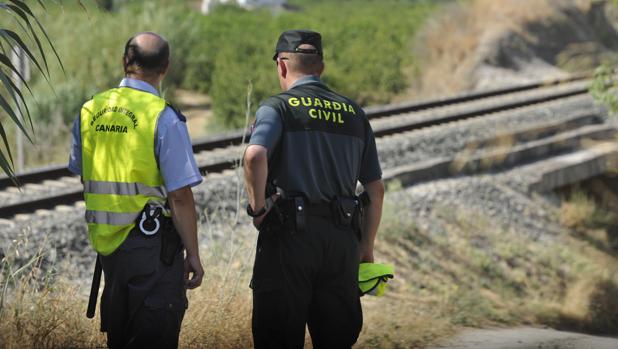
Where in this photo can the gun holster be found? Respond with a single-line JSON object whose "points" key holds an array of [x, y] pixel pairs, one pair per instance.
{"points": [[171, 244]]}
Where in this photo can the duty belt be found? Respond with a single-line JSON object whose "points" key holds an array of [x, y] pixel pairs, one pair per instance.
{"points": [[299, 204], [293, 212]]}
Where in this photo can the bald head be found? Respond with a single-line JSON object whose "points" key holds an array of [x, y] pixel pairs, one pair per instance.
{"points": [[146, 54]]}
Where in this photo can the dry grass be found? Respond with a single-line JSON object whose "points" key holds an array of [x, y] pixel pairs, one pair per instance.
{"points": [[38, 309], [591, 299], [219, 313], [470, 272], [466, 271], [577, 212], [43, 309], [455, 43]]}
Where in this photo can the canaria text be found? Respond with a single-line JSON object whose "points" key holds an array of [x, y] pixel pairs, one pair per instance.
{"points": [[111, 128]]}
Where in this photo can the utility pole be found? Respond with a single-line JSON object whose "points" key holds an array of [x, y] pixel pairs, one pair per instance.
{"points": [[19, 60]]}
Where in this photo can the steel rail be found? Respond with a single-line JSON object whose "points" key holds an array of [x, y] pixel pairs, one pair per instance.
{"points": [[72, 196], [235, 137]]}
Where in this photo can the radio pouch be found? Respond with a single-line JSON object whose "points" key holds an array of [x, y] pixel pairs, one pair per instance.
{"points": [[344, 211]]}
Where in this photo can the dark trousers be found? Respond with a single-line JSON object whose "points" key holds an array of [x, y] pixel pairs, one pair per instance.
{"points": [[308, 277], [143, 300]]}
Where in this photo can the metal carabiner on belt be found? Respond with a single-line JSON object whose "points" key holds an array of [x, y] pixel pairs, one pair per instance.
{"points": [[149, 223]]}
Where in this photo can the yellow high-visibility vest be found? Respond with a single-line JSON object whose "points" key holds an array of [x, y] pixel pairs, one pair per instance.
{"points": [[119, 168]]}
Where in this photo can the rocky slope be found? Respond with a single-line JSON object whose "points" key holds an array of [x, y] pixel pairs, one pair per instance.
{"points": [[483, 43]]}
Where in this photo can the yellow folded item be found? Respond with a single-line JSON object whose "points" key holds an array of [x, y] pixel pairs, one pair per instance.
{"points": [[373, 277]]}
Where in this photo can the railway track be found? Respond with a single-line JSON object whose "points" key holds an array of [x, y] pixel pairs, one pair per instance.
{"points": [[49, 187]]}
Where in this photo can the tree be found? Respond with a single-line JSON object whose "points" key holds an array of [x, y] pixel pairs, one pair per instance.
{"points": [[30, 36]]}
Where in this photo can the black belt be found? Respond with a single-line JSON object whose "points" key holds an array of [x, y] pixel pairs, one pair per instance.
{"points": [[311, 209], [292, 209], [323, 210]]}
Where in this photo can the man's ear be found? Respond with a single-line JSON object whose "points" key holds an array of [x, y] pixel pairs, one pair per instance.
{"points": [[282, 68], [124, 64], [321, 69], [166, 70]]}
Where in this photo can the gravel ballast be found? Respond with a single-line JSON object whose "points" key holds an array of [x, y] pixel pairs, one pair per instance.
{"points": [[61, 234]]}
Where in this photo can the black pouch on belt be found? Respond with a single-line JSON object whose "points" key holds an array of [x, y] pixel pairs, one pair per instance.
{"points": [[344, 211], [363, 201], [170, 241]]}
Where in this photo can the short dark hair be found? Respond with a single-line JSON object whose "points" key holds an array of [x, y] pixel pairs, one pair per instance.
{"points": [[305, 63], [152, 61]]}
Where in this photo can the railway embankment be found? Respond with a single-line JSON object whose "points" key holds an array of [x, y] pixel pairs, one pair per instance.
{"points": [[475, 245]]}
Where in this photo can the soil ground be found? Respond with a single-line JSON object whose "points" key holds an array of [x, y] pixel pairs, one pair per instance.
{"points": [[526, 338], [196, 107]]}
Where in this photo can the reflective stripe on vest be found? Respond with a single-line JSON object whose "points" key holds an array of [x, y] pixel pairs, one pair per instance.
{"points": [[111, 218], [119, 168], [99, 187]]}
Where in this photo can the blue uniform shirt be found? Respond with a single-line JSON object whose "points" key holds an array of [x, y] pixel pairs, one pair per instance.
{"points": [[173, 149]]}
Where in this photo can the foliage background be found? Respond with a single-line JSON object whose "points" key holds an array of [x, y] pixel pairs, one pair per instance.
{"points": [[219, 53], [369, 52]]}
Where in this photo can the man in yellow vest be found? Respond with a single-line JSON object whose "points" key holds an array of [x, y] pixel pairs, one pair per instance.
{"points": [[134, 155]]}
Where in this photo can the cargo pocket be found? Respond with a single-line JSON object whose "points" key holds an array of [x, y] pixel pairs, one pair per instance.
{"points": [[267, 273], [157, 323]]}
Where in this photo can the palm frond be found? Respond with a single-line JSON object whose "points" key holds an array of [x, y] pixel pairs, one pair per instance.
{"points": [[29, 38]]}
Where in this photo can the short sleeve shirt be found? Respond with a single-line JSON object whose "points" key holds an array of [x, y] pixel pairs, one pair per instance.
{"points": [[268, 131]]}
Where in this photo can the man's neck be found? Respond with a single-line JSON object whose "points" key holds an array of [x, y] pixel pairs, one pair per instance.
{"points": [[153, 82], [294, 79]]}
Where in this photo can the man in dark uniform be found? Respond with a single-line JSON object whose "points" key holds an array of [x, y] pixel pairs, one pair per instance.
{"points": [[308, 149], [134, 155]]}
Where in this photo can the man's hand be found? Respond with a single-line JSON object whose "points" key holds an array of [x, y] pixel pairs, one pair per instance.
{"points": [[269, 204], [185, 220], [193, 271], [366, 253], [373, 214], [258, 220]]}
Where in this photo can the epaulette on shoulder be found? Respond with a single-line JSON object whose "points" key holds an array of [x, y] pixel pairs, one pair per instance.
{"points": [[177, 111]]}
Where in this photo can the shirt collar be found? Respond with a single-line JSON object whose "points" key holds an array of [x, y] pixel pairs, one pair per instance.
{"points": [[306, 80], [138, 85]]}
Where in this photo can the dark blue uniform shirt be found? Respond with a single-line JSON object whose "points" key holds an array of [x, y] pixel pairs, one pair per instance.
{"points": [[268, 130]]}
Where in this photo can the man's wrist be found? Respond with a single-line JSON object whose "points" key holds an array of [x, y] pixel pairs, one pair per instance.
{"points": [[255, 213]]}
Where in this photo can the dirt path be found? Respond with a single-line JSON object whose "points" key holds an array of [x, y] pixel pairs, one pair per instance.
{"points": [[526, 338], [197, 108]]}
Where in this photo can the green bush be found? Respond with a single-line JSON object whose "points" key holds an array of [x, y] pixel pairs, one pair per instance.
{"points": [[368, 49], [366, 56]]}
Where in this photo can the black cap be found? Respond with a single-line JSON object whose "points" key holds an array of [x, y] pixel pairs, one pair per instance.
{"points": [[290, 40]]}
